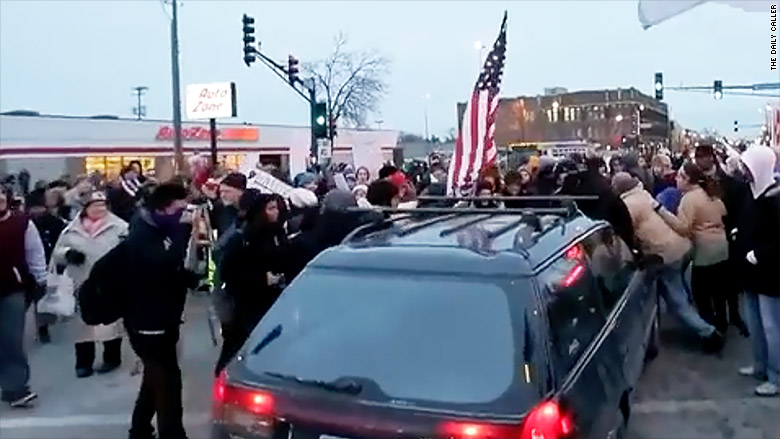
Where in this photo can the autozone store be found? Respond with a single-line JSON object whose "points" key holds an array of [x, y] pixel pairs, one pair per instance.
{"points": [[52, 146]]}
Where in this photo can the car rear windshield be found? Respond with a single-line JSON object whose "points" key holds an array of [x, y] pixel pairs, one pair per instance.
{"points": [[442, 340]]}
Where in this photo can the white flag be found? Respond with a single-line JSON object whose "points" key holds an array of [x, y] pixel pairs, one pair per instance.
{"points": [[652, 12]]}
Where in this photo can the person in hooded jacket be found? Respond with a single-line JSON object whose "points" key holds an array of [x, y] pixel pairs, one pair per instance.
{"points": [[252, 271], [155, 251], [761, 250], [608, 207], [304, 208]]}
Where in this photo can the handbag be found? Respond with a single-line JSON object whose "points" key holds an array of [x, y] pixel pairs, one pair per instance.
{"points": [[59, 299]]}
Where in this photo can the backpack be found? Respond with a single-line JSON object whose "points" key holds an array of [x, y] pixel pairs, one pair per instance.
{"points": [[102, 297]]}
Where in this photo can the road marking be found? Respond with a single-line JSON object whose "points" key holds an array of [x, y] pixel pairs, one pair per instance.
{"points": [[697, 405], [28, 422]]}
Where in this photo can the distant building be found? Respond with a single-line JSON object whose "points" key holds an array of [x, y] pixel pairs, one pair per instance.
{"points": [[555, 91], [615, 118]]}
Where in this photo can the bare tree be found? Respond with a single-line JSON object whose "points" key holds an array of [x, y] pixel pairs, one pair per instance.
{"points": [[351, 83]]}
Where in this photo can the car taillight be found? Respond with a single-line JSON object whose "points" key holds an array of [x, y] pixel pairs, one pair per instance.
{"points": [[573, 276], [475, 430], [547, 421], [242, 407]]}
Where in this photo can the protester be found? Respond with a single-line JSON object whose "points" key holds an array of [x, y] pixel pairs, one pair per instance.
{"points": [[253, 270], [123, 195], [22, 281], [363, 176], [156, 246], [655, 237], [307, 180], [42, 207], [83, 242], [138, 168], [225, 211], [360, 192], [383, 193], [304, 208], [662, 174], [763, 257], [77, 196], [700, 218]]}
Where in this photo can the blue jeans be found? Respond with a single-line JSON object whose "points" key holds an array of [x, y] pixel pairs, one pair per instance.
{"points": [[14, 369], [763, 320], [677, 299]]}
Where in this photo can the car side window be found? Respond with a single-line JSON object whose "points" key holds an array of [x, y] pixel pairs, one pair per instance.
{"points": [[612, 265], [575, 311]]}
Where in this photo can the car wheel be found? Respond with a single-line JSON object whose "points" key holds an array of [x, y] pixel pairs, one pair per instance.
{"points": [[654, 340]]}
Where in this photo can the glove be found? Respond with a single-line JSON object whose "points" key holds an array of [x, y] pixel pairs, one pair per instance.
{"points": [[751, 257], [75, 257]]}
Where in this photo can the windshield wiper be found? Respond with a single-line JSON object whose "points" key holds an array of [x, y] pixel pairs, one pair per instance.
{"points": [[349, 387], [271, 336]]}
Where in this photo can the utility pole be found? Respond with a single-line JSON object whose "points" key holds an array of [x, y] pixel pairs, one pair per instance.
{"points": [[177, 144], [140, 110]]}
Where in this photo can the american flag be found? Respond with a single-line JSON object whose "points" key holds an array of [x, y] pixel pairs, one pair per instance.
{"points": [[475, 145]]}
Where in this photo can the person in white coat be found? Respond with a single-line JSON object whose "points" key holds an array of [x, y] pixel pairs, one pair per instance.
{"points": [[84, 241]]}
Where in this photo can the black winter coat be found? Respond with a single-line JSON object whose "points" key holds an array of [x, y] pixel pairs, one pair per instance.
{"points": [[763, 238], [609, 207], [155, 265], [246, 262]]}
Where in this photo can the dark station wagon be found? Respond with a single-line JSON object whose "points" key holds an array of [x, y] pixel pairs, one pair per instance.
{"points": [[483, 324]]}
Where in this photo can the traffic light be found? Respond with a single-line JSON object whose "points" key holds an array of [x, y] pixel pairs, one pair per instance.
{"points": [[659, 86], [736, 126], [717, 89], [332, 127], [293, 69], [249, 39], [319, 119]]}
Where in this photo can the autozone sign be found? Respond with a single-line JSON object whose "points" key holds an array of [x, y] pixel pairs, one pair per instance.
{"points": [[211, 101], [242, 134]]}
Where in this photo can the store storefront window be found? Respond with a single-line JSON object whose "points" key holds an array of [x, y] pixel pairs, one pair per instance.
{"points": [[111, 166]]}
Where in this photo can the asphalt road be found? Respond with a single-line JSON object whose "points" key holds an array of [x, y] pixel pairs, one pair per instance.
{"points": [[683, 394]]}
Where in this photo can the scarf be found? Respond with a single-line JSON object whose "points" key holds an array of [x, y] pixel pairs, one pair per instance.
{"points": [[131, 186], [92, 226]]}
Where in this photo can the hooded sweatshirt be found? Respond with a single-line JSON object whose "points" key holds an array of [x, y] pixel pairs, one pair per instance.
{"points": [[764, 231]]}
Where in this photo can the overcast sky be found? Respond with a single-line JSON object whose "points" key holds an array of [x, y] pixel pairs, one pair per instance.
{"points": [[83, 57]]}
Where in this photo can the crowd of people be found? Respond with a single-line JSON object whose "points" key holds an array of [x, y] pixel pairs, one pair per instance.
{"points": [[717, 215]]}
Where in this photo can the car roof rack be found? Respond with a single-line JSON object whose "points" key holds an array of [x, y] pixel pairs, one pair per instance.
{"points": [[528, 215]]}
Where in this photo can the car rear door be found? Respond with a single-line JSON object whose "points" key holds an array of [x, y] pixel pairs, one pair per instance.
{"points": [[584, 342]]}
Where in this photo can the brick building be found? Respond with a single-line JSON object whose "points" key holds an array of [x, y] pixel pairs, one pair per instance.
{"points": [[603, 117]]}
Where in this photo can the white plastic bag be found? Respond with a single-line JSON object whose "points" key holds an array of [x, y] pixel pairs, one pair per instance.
{"points": [[60, 298]]}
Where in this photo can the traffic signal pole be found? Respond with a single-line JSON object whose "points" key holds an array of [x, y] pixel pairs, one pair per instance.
{"points": [[289, 75]]}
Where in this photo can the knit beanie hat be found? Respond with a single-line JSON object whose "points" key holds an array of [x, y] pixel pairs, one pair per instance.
{"points": [[235, 180], [95, 197]]}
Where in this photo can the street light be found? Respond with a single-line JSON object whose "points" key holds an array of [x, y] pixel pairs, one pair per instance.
{"points": [[619, 118], [426, 97], [479, 47]]}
